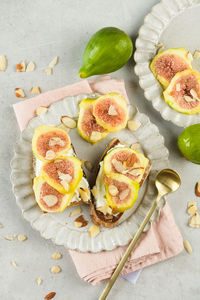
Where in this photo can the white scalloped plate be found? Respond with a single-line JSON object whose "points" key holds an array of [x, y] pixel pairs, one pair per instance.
{"points": [[175, 23], [59, 227]]}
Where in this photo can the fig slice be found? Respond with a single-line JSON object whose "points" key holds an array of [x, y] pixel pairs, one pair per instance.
{"points": [[126, 195], [63, 174], [167, 63], [183, 93], [49, 142], [111, 112], [126, 161], [87, 126], [49, 199]]}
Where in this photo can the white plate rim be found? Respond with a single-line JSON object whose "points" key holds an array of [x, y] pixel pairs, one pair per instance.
{"points": [[48, 228], [148, 36]]}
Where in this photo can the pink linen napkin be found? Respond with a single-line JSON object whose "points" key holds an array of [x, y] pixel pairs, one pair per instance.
{"points": [[162, 241]]}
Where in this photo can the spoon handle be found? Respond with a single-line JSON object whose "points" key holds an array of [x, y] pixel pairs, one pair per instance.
{"points": [[129, 250]]}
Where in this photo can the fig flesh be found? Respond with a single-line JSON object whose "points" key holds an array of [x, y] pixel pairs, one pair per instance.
{"points": [[121, 192], [63, 174], [167, 63], [111, 112], [126, 161], [87, 125], [183, 93], [49, 199], [49, 142]]}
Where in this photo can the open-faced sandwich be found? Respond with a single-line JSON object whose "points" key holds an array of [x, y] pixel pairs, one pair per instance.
{"points": [[121, 172], [59, 179]]}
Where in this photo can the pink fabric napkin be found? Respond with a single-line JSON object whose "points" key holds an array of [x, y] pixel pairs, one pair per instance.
{"points": [[162, 241]]}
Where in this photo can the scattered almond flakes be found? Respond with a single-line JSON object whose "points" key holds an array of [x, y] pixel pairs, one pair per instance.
{"points": [[94, 191], [3, 63], [192, 208], [135, 146], [196, 54], [35, 90], [21, 67], [41, 110], [13, 263], [105, 209], [189, 99], [19, 93], [118, 165], [197, 189], [50, 296], [133, 125], [30, 67], [56, 269], [56, 255], [80, 222], [113, 190], [76, 211], [68, 122], [112, 111], [124, 194], [50, 200], [84, 194], [88, 165], [48, 71], [39, 281], [187, 246], [94, 230], [21, 238], [10, 238], [194, 221], [53, 62], [50, 154], [96, 135]]}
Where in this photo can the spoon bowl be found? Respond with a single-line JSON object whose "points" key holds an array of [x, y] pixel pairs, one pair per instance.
{"points": [[167, 181]]}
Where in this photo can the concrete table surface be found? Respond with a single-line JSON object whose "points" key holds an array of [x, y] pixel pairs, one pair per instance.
{"points": [[39, 31]]}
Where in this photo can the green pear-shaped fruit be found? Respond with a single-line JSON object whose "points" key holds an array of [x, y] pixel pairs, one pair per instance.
{"points": [[107, 51], [189, 143]]}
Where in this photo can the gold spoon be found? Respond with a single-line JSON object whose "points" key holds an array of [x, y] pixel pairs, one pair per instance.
{"points": [[167, 181]]}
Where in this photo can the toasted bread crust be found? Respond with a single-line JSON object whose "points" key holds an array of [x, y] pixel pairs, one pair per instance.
{"points": [[98, 217]]}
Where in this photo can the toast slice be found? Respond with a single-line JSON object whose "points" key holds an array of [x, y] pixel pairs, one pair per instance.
{"points": [[106, 219], [82, 193]]}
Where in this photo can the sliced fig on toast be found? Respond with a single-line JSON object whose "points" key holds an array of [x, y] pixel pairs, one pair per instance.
{"points": [[167, 63], [111, 112], [87, 125], [63, 174], [126, 161], [121, 192], [49, 142], [183, 93], [49, 199]]}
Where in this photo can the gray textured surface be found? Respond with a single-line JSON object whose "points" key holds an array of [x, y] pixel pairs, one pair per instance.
{"points": [[38, 31]]}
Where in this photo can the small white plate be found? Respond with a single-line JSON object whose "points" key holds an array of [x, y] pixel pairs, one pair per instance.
{"points": [[175, 24], [60, 226]]}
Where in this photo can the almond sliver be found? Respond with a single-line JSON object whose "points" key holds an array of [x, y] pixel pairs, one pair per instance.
{"points": [[30, 67], [3, 63], [50, 200], [53, 62], [68, 122], [35, 90]]}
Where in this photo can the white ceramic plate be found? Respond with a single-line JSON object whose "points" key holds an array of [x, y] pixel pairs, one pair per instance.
{"points": [[175, 23], [60, 227]]}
